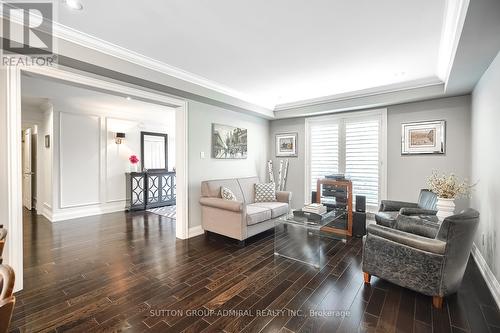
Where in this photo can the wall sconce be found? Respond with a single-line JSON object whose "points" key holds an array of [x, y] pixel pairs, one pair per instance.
{"points": [[119, 137]]}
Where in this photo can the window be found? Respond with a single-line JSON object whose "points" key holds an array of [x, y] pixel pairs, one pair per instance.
{"points": [[350, 143]]}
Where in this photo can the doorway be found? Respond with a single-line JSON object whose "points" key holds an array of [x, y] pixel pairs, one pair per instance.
{"points": [[29, 160], [14, 156]]}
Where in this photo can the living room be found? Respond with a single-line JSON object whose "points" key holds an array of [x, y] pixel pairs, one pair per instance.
{"points": [[387, 114]]}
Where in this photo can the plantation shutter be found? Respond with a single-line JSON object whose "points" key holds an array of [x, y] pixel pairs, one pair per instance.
{"points": [[362, 157], [324, 147]]}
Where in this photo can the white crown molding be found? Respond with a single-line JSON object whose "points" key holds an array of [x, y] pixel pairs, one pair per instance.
{"points": [[488, 275], [97, 44], [403, 86], [453, 23]]}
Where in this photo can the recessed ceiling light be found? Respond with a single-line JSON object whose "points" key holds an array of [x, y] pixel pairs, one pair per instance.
{"points": [[129, 98], [73, 4]]}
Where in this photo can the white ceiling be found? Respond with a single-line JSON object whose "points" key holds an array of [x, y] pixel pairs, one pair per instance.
{"points": [[281, 51], [36, 92]]}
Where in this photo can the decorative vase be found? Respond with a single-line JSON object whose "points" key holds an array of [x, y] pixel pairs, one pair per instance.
{"points": [[133, 167], [445, 207]]}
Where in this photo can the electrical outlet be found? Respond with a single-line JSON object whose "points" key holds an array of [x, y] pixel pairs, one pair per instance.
{"points": [[202, 154]]}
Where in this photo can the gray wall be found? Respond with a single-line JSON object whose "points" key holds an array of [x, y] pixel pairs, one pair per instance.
{"points": [[486, 164], [201, 116], [295, 179], [406, 174]]}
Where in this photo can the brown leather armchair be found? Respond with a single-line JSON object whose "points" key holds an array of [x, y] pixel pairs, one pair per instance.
{"points": [[7, 301]]}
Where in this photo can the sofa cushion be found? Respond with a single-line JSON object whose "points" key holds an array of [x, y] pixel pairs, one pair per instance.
{"points": [[227, 194], [211, 188], [257, 214], [277, 208], [265, 192], [247, 186], [387, 219], [417, 226]]}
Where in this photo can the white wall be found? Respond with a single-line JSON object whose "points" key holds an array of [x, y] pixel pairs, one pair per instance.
{"points": [[89, 173], [406, 175], [486, 165], [201, 117]]}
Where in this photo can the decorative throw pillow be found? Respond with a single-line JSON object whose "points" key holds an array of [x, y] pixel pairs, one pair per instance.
{"points": [[227, 194], [265, 192]]}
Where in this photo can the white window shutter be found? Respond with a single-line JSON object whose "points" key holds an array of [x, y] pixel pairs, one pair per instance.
{"points": [[362, 156], [324, 150]]}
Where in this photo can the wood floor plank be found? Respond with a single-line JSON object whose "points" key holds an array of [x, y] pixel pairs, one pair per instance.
{"points": [[136, 268]]}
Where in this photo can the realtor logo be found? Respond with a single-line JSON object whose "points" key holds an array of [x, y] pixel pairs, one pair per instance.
{"points": [[27, 37]]}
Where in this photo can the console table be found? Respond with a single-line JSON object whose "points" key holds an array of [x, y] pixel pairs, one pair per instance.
{"points": [[150, 189]]}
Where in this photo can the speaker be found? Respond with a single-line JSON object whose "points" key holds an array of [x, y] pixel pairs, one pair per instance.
{"points": [[358, 224], [361, 203], [313, 197]]}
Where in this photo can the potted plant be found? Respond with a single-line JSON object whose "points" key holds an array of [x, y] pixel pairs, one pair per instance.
{"points": [[447, 188], [134, 160]]}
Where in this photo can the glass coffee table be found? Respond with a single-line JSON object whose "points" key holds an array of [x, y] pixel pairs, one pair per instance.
{"points": [[304, 237]]}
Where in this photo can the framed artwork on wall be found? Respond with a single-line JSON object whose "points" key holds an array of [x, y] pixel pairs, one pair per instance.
{"points": [[424, 137], [229, 142], [286, 144]]}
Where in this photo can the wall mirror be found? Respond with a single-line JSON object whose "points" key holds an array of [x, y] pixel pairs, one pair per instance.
{"points": [[154, 151]]}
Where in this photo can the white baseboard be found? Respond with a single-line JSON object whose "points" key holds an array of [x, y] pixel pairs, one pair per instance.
{"points": [[488, 275], [195, 231], [74, 213]]}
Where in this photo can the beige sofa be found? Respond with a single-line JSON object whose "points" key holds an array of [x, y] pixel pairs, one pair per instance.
{"points": [[243, 218]]}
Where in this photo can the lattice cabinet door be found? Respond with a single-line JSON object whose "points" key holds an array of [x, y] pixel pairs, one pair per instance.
{"points": [[136, 191], [160, 189]]}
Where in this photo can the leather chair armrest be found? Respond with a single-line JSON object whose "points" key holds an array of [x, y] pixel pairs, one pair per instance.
{"points": [[416, 211], [284, 196], [407, 239], [392, 205], [234, 206]]}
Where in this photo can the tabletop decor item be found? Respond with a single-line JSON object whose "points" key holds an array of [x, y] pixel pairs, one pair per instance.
{"points": [[134, 162], [447, 188]]}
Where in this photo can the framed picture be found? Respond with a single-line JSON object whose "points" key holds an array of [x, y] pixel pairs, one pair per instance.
{"points": [[286, 144], [425, 137], [229, 142], [47, 141]]}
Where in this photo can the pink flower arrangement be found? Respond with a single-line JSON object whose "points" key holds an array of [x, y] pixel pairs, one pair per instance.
{"points": [[133, 159]]}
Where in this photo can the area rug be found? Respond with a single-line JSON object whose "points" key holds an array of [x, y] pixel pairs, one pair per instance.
{"points": [[167, 211]]}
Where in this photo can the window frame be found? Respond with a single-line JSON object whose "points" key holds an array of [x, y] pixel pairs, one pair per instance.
{"points": [[341, 117]]}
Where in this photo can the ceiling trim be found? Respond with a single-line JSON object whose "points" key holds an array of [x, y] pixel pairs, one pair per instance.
{"points": [[77, 37], [453, 23], [368, 101], [393, 88], [454, 18], [94, 43]]}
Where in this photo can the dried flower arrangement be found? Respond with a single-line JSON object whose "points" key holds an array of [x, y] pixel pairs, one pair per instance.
{"points": [[448, 186]]}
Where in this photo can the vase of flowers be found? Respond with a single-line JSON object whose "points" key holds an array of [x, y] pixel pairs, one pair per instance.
{"points": [[134, 163], [447, 188]]}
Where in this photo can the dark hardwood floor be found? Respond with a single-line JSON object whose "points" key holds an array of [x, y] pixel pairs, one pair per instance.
{"points": [[127, 272]]}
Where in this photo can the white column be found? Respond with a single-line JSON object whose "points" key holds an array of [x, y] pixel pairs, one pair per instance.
{"points": [[11, 214]]}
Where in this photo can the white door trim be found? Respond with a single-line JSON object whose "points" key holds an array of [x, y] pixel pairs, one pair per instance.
{"points": [[13, 208], [13, 107]]}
